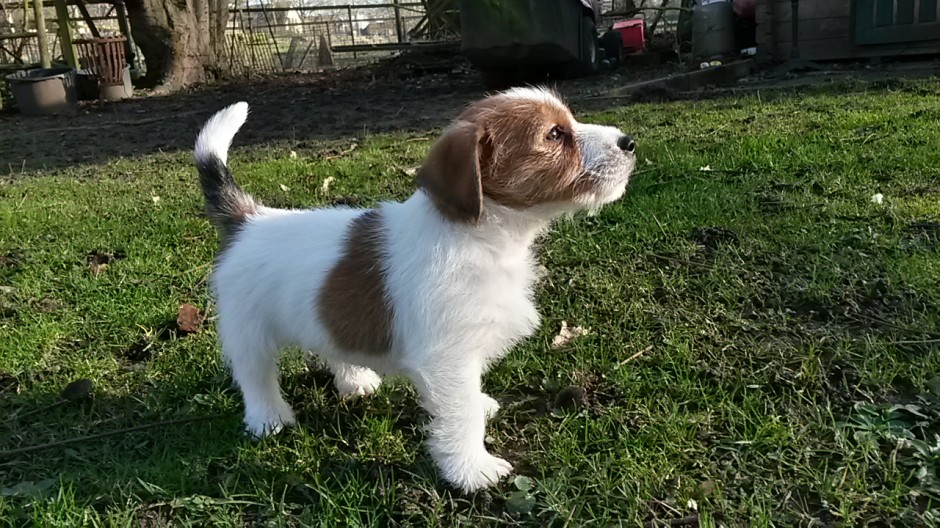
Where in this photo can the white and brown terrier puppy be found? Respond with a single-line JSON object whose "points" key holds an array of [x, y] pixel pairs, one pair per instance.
{"points": [[436, 288]]}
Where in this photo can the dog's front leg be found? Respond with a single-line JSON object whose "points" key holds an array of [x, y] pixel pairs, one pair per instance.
{"points": [[452, 395]]}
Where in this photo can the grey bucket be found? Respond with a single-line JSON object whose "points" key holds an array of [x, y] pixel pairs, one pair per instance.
{"points": [[44, 91], [712, 29]]}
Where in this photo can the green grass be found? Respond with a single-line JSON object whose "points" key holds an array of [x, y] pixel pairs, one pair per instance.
{"points": [[783, 331]]}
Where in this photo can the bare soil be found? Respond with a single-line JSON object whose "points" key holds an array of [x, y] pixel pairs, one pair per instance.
{"points": [[291, 108]]}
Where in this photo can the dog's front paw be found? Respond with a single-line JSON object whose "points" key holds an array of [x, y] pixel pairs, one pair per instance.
{"points": [[490, 407], [355, 382], [268, 422], [475, 474]]}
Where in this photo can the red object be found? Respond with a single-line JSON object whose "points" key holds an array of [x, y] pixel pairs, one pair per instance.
{"points": [[633, 34], [745, 8]]}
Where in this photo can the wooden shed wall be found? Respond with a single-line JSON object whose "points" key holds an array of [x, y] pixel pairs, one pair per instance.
{"points": [[826, 32]]}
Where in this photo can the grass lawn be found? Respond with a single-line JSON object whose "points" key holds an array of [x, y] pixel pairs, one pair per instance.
{"points": [[764, 344]]}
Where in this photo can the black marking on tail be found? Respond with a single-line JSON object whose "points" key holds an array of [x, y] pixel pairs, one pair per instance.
{"points": [[227, 205]]}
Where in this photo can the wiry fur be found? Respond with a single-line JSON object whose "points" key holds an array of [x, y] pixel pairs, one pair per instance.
{"points": [[456, 269]]}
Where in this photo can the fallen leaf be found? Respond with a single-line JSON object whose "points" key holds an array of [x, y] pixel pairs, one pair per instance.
{"points": [[541, 272], [284, 187], [522, 483], [30, 489], [878, 199], [49, 305], [189, 320], [706, 168], [326, 184], [411, 171], [934, 385], [156, 200], [706, 488], [98, 260], [568, 334], [520, 502], [293, 155]]}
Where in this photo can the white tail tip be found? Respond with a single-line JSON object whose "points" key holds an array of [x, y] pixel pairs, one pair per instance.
{"points": [[216, 136]]}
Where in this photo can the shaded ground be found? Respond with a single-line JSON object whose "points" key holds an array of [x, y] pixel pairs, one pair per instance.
{"points": [[324, 106], [293, 109]]}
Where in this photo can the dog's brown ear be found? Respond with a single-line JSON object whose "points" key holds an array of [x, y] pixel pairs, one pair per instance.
{"points": [[451, 173]]}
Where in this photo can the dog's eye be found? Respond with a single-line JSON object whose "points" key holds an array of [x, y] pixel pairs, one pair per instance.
{"points": [[555, 134]]}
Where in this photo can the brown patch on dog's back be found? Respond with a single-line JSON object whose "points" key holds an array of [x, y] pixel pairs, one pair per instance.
{"points": [[353, 304]]}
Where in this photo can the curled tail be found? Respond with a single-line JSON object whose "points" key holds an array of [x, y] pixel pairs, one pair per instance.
{"points": [[227, 205]]}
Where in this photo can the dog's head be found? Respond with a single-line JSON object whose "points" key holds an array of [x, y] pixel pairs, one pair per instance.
{"points": [[523, 149]]}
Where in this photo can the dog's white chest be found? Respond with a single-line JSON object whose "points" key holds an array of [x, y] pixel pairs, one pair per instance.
{"points": [[501, 303]]}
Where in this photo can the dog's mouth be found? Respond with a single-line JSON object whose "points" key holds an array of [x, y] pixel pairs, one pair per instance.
{"points": [[607, 179], [613, 169]]}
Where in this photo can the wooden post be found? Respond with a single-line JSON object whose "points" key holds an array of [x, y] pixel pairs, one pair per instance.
{"points": [[251, 41], [65, 34], [399, 28], [795, 29], [766, 44], [88, 20], [352, 30], [44, 56], [121, 11]]}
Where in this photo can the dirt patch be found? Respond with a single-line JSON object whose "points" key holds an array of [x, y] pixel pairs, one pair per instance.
{"points": [[712, 238], [11, 261], [8, 384], [48, 305], [292, 109], [139, 352]]}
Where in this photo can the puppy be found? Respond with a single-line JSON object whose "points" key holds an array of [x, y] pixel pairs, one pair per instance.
{"points": [[436, 288]]}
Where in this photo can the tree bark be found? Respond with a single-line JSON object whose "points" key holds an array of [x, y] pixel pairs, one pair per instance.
{"points": [[181, 40]]}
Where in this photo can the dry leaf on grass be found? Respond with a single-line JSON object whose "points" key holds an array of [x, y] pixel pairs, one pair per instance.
{"points": [[99, 260], [568, 334], [326, 184], [189, 319]]}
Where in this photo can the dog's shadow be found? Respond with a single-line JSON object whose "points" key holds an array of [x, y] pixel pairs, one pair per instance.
{"points": [[147, 448]]}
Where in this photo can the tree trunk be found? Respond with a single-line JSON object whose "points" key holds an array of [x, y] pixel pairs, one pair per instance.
{"points": [[181, 40]]}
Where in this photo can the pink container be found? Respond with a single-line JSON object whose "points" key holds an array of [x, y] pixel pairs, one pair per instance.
{"points": [[633, 34]]}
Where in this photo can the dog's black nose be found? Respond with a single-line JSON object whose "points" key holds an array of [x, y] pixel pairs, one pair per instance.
{"points": [[627, 144]]}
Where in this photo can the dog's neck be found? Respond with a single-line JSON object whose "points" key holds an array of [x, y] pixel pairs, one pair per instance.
{"points": [[504, 229], [512, 226]]}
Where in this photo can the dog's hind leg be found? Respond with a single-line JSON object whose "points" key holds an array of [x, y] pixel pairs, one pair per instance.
{"points": [[253, 360], [353, 381]]}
